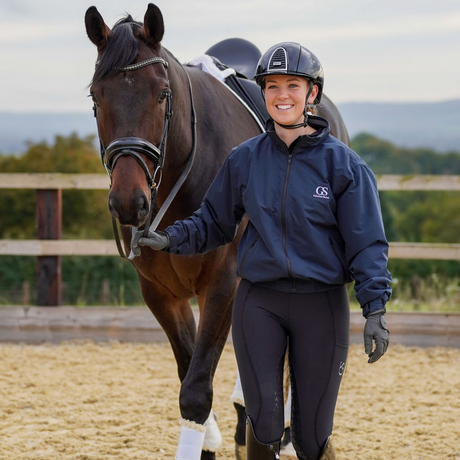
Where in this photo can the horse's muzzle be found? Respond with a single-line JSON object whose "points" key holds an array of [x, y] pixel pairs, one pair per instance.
{"points": [[133, 211]]}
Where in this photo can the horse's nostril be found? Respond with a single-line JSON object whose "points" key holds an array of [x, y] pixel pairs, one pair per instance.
{"points": [[112, 207], [143, 207]]}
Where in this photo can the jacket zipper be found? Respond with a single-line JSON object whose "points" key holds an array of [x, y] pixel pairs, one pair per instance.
{"points": [[246, 255], [283, 216]]}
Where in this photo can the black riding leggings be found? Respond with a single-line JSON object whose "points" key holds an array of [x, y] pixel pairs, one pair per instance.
{"points": [[317, 328]]}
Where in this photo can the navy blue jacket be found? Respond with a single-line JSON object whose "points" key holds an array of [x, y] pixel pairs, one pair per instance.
{"points": [[313, 214]]}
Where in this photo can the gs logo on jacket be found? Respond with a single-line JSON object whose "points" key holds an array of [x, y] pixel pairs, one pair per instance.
{"points": [[314, 213]]}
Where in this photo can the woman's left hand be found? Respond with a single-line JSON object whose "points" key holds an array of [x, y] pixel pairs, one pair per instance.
{"points": [[376, 329]]}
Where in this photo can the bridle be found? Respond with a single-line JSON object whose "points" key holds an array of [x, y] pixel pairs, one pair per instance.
{"points": [[134, 146]]}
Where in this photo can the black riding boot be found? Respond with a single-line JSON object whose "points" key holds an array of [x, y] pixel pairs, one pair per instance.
{"points": [[328, 451], [255, 450]]}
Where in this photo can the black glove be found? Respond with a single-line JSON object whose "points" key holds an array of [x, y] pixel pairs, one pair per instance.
{"points": [[376, 329], [156, 240]]}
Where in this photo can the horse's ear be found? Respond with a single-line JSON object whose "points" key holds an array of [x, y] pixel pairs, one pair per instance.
{"points": [[154, 26], [96, 28]]}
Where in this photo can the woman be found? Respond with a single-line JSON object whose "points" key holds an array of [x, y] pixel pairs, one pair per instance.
{"points": [[314, 225]]}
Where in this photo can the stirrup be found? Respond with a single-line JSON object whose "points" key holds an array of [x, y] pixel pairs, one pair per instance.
{"points": [[256, 450]]}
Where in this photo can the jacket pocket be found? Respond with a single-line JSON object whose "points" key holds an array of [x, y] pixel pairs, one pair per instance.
{"points": [[337, 255], [243, 260]]}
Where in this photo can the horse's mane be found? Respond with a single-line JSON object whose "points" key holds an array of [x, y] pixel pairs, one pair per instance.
{"points": [[121, 49]]}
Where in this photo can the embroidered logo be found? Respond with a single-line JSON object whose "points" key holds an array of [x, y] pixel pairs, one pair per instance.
{"points": [[341, 368], [322, 192]]}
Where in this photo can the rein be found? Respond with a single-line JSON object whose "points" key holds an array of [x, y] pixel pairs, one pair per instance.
{"points": [[133, 146]]}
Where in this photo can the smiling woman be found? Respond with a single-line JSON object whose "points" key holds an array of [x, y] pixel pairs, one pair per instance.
{"points": [[314, 226]]}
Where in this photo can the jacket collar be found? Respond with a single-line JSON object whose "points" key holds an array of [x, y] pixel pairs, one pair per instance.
{"points": [[319, 123]]}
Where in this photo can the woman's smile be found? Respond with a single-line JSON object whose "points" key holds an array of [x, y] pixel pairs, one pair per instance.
{"points": [[284, 107]]}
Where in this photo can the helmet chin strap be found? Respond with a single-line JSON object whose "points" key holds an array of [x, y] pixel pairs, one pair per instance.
{"points": [[305, 114]]}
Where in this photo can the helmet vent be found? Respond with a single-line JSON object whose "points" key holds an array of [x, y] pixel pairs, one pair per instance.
{"points": [[278, 60]]}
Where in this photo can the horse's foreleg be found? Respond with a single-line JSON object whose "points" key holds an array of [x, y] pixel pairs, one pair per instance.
{"points": [[177, 321], [196, 392]]}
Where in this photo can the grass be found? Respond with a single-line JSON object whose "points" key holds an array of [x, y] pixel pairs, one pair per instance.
{"points": [[431, 294]]}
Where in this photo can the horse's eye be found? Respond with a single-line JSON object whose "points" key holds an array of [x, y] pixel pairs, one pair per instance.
{"points": [[93, 97], [163, 95]]}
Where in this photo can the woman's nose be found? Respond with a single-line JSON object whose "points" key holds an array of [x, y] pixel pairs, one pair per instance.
{"points": [[283, 94]]}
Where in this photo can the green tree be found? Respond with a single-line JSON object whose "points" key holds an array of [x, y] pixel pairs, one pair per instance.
{"points": [[385, 158], [85, 213]]}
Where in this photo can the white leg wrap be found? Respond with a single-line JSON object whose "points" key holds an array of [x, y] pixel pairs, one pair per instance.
{"points": [[288, 452], [237, 395], [213, 438], [287, 409], [190, 441]]}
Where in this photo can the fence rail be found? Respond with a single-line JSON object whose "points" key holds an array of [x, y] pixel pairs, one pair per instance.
{"points": [[386, 182], [49, 247], [108, 248]]}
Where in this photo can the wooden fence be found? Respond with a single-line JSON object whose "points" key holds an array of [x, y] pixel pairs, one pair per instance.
{"points": [[48, 247]]}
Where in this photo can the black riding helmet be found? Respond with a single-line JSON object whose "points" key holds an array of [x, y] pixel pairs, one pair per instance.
{"points": [[289, 58]]}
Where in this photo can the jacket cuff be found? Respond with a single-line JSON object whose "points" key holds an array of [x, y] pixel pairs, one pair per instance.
{"points": [[172, 242], [373, 306]]}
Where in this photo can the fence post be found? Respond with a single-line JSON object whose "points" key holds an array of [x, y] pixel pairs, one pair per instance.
{"points": [[26, 293], [49, 227]]}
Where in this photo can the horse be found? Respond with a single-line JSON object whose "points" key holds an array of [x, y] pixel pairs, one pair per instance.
{"points": [[143, 98]]}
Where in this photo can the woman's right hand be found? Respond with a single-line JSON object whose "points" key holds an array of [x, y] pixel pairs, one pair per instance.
{"points": [[156, 240], [376, 330]]}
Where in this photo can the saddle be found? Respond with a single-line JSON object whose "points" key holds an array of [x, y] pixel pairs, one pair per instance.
{"points": [[242, 56]]}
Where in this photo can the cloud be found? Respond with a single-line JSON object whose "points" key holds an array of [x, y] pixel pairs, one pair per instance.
{"points": [[370, 49], [32, 32]]}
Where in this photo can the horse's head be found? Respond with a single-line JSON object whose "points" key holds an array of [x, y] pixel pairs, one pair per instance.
{"points": [[131, 95]]}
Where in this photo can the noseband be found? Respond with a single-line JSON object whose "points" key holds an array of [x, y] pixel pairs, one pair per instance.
{"points": [[135, 146]]}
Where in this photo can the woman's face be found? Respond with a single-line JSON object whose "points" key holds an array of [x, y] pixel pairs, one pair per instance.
{"points": [[285, 97]]}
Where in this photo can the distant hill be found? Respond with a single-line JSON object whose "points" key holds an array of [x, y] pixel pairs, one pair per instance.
{"points": [[431, 125], [16, 129]]}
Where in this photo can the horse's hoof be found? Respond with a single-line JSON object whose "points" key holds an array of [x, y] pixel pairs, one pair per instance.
{"points": [[207, 455], [240, 452], [288, 452]]}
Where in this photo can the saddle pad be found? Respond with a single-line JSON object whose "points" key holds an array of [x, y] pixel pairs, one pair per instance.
{"points": [[246, 90]]}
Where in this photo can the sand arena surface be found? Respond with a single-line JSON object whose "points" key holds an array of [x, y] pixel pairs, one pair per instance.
{"points": [[88, 401]]}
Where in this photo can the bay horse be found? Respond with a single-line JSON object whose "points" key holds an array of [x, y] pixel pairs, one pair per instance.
{"points": [[144, 98]]}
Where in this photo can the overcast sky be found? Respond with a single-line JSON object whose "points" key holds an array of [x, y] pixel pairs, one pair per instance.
{"points": [[371, 50]]}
